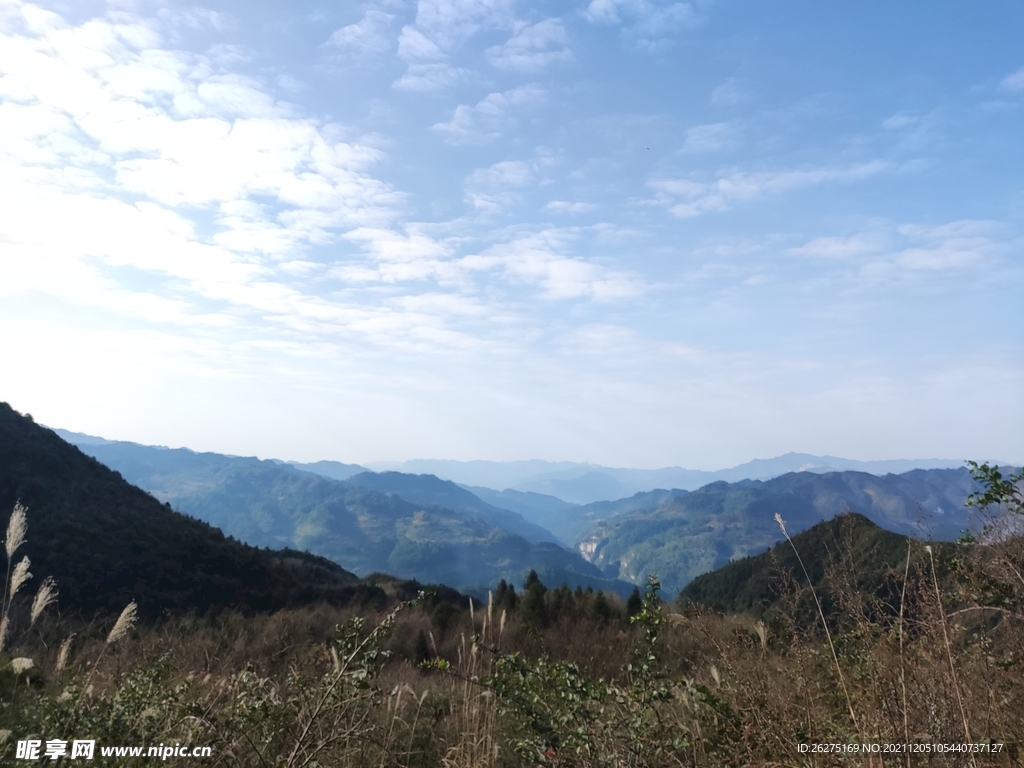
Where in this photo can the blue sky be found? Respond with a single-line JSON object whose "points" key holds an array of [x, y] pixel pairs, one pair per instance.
{"points": [[630, 232]]}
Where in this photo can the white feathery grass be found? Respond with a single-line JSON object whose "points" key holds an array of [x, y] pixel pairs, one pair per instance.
{"points": [[19, 577], [762, 633], [63, 653], [16, 528], [45, 597], [22, 664], [949, 650], [124, 624], [824, 624], [3, 632]]}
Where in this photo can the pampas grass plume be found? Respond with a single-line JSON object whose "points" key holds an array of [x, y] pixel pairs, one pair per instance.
{"points": [[46, 596], [63, 653], [22, 664], [20, 576], [124, 624], [16, 529]]}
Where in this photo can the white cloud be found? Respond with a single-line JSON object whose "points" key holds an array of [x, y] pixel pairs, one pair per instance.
{"points": [[493, 188], [398, 257], [118, 153], [413, 46], [440, 26], [370, 35], [491, 116], [539, 259], [729, 94], [449, 22], [839, 248], [954, 245], [1013, 81], [564, 206], [645, 23], [429, 77], [532, 48], [713, 137], [699, 197], [912, 248]]}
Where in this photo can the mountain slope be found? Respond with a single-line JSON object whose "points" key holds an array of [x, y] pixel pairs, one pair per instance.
{"points": [[107, 542], [703, 530], [752, 584], [267, 503], [332, 469], [538, 508], [427, 489]]}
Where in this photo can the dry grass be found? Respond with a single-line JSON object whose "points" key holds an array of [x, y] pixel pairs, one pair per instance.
{"points": [[943, 665]]}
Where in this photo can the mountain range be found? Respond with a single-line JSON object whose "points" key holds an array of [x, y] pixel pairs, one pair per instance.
{"points": [[686, 535], [424, 527], [582, 483], [415, 527], [106, 542]]}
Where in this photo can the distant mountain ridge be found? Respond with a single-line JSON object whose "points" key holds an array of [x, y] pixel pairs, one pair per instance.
{"points": [[424, 527], [269, 503], [685, 536], [582, 483]]}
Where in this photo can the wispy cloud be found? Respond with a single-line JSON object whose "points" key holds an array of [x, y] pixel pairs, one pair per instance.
{"points": [[686, 198], [564, 206], [533, 47], [119, 153], [490, 117], [839, 248], [729, 94], [645, 23], [713, 137], [1014, 81], [370, 35], [493, 188], [439, 28], [539, 259], [885, 252]]}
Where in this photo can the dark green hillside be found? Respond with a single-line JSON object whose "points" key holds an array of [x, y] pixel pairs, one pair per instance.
{"points": [[266, 503], [752, 584], [685, 536], [107, 542], [428, 489]]}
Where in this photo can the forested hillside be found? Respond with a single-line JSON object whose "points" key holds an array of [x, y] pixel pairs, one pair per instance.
{"points": [[685, 536], [107, 542], [268, 503]]}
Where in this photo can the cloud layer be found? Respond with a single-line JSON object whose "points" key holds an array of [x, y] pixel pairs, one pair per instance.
{"points": [[478, 228]]}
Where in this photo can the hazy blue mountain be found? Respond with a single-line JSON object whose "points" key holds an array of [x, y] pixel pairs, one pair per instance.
{"points": [[428, 489], [538, 508], [575, 522], [332, 469], [684, 536], [78, 438], [268, 503], [583, 483]]}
